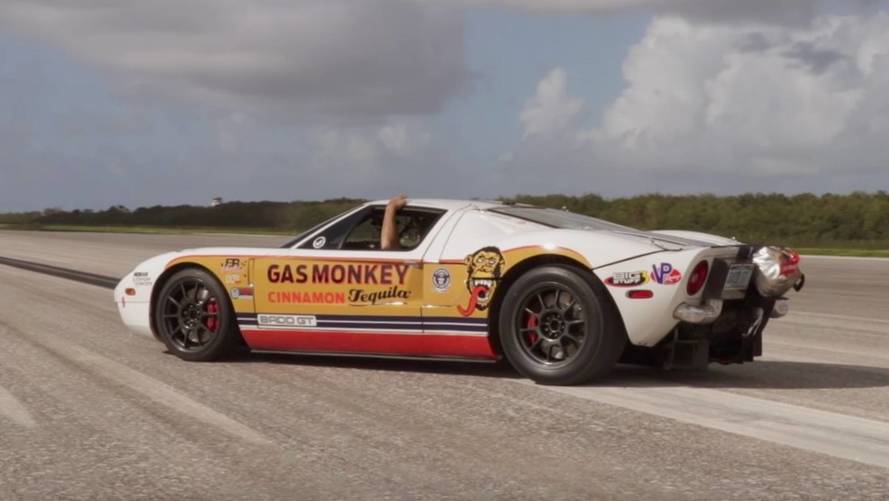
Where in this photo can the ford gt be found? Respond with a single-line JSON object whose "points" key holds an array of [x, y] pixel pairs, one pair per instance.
{"points": [[561, 296]]}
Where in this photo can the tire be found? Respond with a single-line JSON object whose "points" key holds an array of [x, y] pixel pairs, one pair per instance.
{"points": [[194, 317], [558, 327]]}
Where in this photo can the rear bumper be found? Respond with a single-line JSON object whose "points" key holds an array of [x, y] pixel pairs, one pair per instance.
{"points": [[706, 313]]}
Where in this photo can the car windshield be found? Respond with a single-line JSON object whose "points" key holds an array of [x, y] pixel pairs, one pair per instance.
{"points": [[561, 219], [302, 236]]}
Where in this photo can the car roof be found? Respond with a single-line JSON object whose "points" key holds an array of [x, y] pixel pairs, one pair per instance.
{"points": [[445, 204]]}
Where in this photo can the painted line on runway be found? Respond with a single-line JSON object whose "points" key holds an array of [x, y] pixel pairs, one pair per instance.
{"points": [[833, 316], [55, 271], [155, 390], [872, 328], [15, 410], [163, 394], [838, 435]]}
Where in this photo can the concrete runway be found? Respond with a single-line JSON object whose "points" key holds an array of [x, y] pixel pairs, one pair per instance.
{"points": [[88, 410]]}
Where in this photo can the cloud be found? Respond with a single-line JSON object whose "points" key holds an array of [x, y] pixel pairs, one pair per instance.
{"points": [[294, 59], [367, 151], [769, 11], [722, 101], [552, 109]]}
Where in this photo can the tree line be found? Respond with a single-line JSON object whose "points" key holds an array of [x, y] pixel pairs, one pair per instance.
{"points": [[805, 219]]}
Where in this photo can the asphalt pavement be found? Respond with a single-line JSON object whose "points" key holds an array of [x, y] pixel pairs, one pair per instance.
{"points": [[91, 411]]}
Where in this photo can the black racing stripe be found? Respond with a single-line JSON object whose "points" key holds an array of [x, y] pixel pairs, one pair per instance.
{"points": [[55, 271], [344, 325], [389, 318], [455, 328], [458, 320]]}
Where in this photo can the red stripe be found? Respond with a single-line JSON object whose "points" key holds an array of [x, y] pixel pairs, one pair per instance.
{"points": [[394, 343]]}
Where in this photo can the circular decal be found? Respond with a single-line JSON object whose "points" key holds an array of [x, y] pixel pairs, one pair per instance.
{"points": [[319, 242], [236, 293], [441, 280]]}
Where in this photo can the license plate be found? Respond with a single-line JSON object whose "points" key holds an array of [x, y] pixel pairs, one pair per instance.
{"points": [[739, 276]]}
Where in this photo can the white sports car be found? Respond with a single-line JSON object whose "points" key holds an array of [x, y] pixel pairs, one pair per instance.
{"points": [[562, 296]]}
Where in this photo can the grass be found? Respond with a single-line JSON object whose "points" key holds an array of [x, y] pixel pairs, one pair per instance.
{"points": [[850, 249], [153, 230], [828, 251]]}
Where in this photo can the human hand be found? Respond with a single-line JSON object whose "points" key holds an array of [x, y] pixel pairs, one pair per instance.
{"points": [[398, 201]]}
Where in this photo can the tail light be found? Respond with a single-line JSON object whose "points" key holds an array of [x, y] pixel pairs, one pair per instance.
{"points": [[698, 278]]}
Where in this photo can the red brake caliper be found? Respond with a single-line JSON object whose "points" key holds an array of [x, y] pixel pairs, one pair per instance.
{"points": [[531, 323], [212, 320]]}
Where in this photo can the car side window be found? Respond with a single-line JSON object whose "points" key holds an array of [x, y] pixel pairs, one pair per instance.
{"points": [[414, 225], [366, 234], [362, 232], [332, 237]]}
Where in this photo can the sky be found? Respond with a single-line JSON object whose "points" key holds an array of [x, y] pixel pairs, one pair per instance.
{"points": [[136, 103]]}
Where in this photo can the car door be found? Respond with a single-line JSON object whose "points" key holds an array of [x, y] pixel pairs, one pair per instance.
{"points": [[337, 292]]}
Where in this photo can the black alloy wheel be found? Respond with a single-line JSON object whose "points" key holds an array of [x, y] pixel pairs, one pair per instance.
{"points": [[193, 316], [557, 326], [551, 324]]}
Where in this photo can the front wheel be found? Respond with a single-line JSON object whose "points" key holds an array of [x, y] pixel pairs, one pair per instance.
{"points": [[557, 328], [193, 316]]}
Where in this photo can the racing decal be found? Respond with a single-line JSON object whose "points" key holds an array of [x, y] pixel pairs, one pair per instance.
{"points": [[319, 285], [484, 268], [241, 292], [628, 279], [305, 297], [233, 264], [665, 274], [378, 342], [441, 280], [266, 320], [389, 323], [141, 279], [232, 278], [360, 297], [319, 242], [363, 274]]}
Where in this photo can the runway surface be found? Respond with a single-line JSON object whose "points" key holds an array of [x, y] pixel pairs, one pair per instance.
{"points": [[88, 410]]}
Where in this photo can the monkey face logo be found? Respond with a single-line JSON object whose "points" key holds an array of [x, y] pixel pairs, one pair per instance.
{"points": [[483, 270]]}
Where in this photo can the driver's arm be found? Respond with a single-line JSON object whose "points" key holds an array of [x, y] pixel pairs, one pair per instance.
{"points": [[389, 234]]}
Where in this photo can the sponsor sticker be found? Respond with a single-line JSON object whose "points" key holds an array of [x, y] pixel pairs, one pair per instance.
{"points": [[628, 279], [287, 320], [304, 297], [232, 264], [665, 274], [319, 242], [352, 274], [441, 280], [141, 279], [242, 292], [484, 268], [362, 297], [232, 278]]}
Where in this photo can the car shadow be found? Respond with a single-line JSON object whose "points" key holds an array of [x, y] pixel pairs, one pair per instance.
{"points": [[446, 367], [770, 374]]}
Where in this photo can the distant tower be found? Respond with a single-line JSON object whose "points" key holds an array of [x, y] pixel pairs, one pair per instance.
{"points": [[216, 202]]}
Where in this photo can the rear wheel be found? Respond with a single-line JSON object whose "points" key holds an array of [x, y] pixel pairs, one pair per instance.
{"points": [[194, 317], [556, 327]]}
